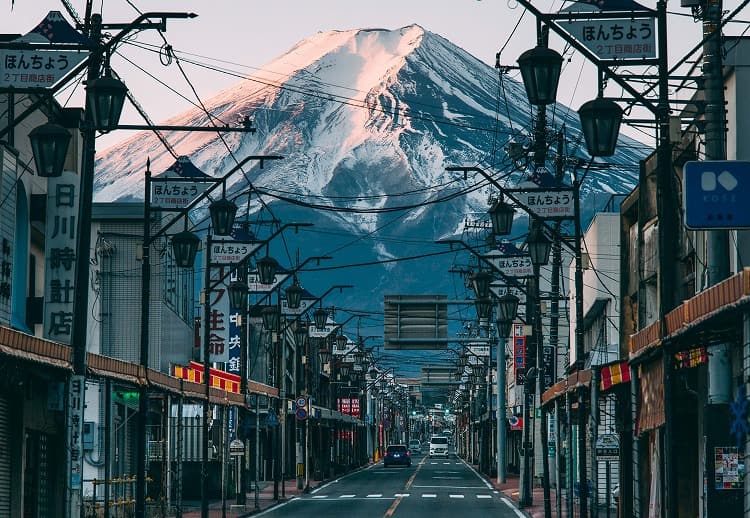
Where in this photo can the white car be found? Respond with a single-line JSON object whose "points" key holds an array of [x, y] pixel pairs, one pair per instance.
{"points": [[439, 446], [415, 447]]}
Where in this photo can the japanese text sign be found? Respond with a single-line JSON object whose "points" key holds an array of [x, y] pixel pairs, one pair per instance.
{"points": [[616, 38], [36, 68], [175, 194], [510, 265], [59, 279], [549, 204]]}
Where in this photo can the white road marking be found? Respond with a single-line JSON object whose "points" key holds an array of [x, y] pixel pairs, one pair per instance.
{"points": [[375, 495], [484, 496], [456, 496], [401, 495], [429, 495], [513, 508], [321, 496], [347, 496], [446, 463]]}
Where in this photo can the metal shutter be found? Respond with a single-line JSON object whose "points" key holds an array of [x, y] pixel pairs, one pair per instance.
{"points": [[4, 458]]}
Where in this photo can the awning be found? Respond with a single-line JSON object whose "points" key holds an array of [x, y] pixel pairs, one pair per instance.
{"points": [[615, 374], [576, 380]]}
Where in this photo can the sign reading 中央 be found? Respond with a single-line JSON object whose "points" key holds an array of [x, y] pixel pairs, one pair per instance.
{"points": [[548, 204], [510, 265], [615, 39], [716, 193], [60, 244]]}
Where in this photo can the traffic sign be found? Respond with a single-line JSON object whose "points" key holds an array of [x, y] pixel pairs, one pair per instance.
{"points": [[716, 194], [607, 447], [301, 401], [272, 419], [300, 414], [236, 448]]}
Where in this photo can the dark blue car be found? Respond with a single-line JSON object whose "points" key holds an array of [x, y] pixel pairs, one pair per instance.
{"points": [[397, 455]]}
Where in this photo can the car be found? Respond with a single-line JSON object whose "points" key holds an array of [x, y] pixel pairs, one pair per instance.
{"points": [[439, 446], [415, 447], [397, 455]]}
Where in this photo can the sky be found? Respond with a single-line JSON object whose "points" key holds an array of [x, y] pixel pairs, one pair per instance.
{"points": [[244, 35]]}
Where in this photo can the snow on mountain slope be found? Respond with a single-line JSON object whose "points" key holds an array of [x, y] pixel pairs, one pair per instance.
{"points": [[365, 118]]}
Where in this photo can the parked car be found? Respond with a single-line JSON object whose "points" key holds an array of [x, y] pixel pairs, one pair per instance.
{"points": [[397, 455], [439, 446], [415, 447]]}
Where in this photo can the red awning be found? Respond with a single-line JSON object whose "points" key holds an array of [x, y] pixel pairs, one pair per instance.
{"points": [[614, 374]]}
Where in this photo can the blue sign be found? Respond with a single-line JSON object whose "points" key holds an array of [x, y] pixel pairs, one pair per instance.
{"points": [[716, 194], [272, 419], [301, 414]]}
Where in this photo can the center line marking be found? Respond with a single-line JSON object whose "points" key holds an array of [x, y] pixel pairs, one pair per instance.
{"points": [[456, 496], [399, 497], [429, 495], [377, 495], [347, 496]]}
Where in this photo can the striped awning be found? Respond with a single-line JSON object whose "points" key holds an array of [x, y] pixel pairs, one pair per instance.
{"points": [[615, 374]]}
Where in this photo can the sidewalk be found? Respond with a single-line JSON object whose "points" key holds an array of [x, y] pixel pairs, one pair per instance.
{"points": [[191, 509], [536, 510]]}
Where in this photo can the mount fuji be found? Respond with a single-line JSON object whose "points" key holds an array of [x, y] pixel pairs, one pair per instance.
{"points": [[367, 121]]}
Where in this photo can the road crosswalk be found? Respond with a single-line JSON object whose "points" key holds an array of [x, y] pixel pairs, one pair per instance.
{"points": [[401, 495]]}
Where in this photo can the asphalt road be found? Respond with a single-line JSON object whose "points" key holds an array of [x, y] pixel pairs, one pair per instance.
{"points": [[429, 488]]}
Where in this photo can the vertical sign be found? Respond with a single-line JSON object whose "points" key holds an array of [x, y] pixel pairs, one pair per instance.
{"points": [[76, 396], [519, 354], [218, 317], [7, 230], [59, 289], [233, 364], [548, 358]]}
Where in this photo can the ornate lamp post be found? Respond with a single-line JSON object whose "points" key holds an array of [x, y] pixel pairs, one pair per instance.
{"points": [[501, 216], [600, 121]]}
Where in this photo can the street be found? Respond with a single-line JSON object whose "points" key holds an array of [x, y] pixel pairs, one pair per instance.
{"points": [[430, 487]]}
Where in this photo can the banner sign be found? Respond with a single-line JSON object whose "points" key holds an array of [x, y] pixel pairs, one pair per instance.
{"points": [[615, 39], [349, 406], [60, 244], [510, 265], [175, 194], [229, 251], [548, 204]]}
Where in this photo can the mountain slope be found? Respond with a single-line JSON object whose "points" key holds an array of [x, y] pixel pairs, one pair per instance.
{"points": [[367, 120]]}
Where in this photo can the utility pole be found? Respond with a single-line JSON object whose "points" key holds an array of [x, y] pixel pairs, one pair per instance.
{"points": [[720, 378]]}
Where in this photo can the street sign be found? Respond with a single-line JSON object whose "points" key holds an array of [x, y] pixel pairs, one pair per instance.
{"points": [[236, 448], [301, 401], [716, 194], [300, 414], [229, 251], [615, 39], [548, 203], [322, 333], [176, 193], [272, 419], [510, 265], [607, 447], [254, 285]]}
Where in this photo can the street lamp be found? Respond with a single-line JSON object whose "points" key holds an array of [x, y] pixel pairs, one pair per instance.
{"points": [[324, 355], [237, 291], [501, 216], [538, 244], [185, 246], [341, 342], [222, 216], [484, 307], [600, 121], [320, 317], [294, 294], [266, 269], [105, 99], [49, 144], [480, 282], [540, 70], [270, 317]]}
